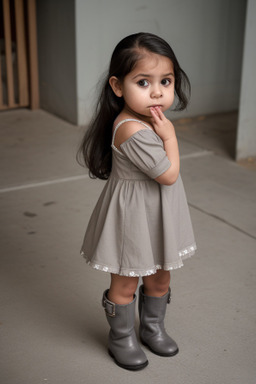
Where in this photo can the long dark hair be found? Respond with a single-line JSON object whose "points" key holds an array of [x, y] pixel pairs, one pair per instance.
{"points": [[95, 148]]}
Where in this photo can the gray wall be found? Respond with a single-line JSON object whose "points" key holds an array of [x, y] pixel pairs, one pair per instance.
{"points": [[246, 136], [206, 35], [76, 39], [57, 58]]}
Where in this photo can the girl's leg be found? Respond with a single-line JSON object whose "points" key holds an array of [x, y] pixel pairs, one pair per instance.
{"points": [[122, 289], [157, 285], [119, 303], [153, 300]]}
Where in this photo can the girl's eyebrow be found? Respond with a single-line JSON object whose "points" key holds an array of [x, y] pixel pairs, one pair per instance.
{"points": [[146, 75]]}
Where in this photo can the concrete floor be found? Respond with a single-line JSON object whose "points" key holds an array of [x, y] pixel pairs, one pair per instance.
{"points": [[52, 325]]}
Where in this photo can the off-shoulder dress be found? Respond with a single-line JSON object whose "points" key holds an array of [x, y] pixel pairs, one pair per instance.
{"points": [[138, 225]]}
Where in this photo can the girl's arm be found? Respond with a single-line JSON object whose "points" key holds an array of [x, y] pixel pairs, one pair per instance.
{"points": [[165, 129]]}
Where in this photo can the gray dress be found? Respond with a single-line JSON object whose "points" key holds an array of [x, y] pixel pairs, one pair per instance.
{"points": [[138, 225]]}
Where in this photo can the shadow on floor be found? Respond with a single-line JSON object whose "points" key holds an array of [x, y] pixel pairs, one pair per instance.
{"points": [[216, 132]]}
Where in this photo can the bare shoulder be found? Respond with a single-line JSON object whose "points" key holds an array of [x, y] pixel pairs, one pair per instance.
{"points": [[126, 130]]}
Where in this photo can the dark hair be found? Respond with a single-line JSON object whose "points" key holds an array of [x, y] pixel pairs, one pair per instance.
{"points": [[95, 148]]}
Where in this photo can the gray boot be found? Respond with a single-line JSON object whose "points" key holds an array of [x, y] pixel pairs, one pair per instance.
{"points": [[152, 332], [122, 342]]}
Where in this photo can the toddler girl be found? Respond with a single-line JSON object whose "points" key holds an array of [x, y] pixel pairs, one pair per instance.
{"points": [[140, 225]]}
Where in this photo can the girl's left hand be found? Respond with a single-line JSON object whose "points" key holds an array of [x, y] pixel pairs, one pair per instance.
{"points": [[162, 126]]}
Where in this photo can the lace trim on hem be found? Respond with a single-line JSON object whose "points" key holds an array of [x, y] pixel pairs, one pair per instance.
{"points": [[184, 254]]}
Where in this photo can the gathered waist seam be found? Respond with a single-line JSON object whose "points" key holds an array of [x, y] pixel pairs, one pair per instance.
{"points": [[129, 179]]}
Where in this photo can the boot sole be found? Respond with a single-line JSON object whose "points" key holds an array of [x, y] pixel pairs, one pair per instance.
{"points": [[160, 353], [129, 367]]}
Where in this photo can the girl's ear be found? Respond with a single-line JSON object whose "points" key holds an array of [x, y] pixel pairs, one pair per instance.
{"points": [[116, 86]]}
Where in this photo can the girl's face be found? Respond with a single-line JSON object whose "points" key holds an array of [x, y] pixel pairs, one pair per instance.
{"points": [[149, 84]]}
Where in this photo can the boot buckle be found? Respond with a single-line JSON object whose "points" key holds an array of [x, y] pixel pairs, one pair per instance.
{"points": [[109, 307]]}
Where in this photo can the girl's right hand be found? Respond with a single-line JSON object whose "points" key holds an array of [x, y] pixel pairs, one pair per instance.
{"points": [[165, 130], [162, 126]]}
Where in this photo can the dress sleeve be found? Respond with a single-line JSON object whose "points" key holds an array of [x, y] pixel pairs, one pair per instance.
{"points": [[145, 150]]}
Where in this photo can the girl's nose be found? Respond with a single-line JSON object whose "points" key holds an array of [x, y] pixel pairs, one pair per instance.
{"points": [[156, 92]]}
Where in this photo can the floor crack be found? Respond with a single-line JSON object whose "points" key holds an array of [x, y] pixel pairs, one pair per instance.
{"points": [[222, 220]]}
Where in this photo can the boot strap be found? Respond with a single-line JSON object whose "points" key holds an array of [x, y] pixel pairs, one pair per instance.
{"points": [[169, 296], [109, 307]]}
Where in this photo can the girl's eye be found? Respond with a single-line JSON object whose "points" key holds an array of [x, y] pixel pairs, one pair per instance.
{"points": [[143, 83], [166, 82]]}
